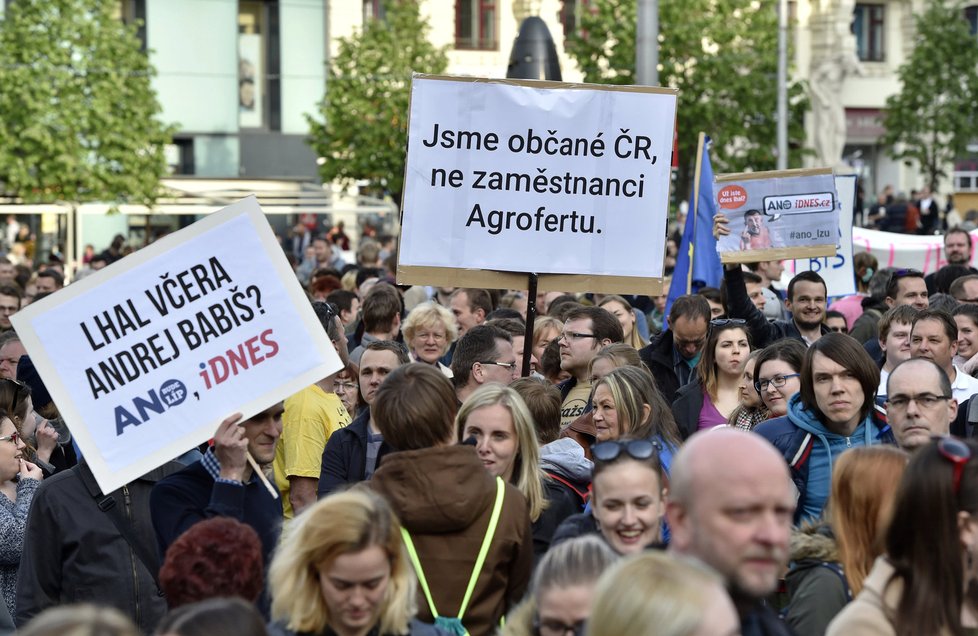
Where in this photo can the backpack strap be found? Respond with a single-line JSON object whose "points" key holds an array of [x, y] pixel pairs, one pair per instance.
{"points": [[479, 562], [583, 495]]}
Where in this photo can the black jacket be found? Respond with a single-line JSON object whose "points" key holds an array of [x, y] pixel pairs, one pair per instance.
{"points": [[687, 406], [739, 305], [73, 553], [658, 357], [345, 455], [560, 506]]}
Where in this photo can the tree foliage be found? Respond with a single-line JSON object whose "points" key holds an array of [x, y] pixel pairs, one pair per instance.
{"points": [[721, 55], [932, 119], [362, 133], [78, 115]]}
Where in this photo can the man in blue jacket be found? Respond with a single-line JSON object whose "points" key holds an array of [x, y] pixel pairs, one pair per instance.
{"points": [[834, 411]]}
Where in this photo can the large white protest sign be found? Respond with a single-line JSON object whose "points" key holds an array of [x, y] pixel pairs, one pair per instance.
{"points": [[146, 357], [543, 177], [836, 270], [778, 214]]}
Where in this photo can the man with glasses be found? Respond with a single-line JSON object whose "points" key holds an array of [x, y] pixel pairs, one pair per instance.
{"points": [[919, 403], [965, 289], [311, 416], [10, 300], [673, 354], [352, 452], [833, 411], [586, 331], [484, 354], [934, 336]]}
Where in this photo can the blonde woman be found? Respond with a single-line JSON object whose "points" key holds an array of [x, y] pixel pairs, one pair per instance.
{"points": [[343, 570], [429, 331], [559, 599], [622, 310], [657, 593], [497, 420]]}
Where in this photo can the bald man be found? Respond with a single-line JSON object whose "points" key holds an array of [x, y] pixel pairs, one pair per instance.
{"points": [[920, 403], [735, 516]]}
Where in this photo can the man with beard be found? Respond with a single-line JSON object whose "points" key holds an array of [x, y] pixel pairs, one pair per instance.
{"points": [[957, 251], [806, 301], [755, 236], [734, 516]]}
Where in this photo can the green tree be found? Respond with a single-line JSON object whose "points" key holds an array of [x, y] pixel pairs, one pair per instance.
{"points": [[78, 115], [361, 132], [721, 55], [932, 119]]}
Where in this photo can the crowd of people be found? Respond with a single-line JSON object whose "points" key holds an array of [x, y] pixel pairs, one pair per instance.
{"points": [[748, 460]]}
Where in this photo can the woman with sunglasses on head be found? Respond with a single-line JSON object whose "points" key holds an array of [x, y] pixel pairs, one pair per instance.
{"points": [[751, 411], [714, 394], [496, 421], [627, 497], [777, 373], [559, 598], [927, 580], [19, 480], [626, 403]]}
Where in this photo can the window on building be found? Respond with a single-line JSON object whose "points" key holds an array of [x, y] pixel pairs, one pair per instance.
{"points": [[971, 15], [251, 64], [374, 10], [180, 156], [476, 23], [867, 25], [570, 15], [133, 11]]}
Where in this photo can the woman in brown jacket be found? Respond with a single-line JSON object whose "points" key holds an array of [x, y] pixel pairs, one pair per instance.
{"points": [[450, 506]]}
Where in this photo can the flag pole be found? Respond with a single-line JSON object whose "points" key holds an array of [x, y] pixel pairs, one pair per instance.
{"points": [[695, 207]]}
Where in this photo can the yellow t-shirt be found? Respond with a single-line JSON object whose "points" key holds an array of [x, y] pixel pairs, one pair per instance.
{"points": [[574, 404], [310, 417]]}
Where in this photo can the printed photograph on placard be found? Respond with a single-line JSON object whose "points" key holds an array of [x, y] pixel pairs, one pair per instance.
{"points": [[777, 215]]}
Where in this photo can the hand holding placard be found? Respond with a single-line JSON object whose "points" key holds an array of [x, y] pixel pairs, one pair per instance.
{"points": [[231, 448]]}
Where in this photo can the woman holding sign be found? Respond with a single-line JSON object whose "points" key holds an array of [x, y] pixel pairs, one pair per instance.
{"points": [[19, 480]]}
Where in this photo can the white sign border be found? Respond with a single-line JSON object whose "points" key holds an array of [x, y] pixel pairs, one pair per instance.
{"points": [[46, 366]]}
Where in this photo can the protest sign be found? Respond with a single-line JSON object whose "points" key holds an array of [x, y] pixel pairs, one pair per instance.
{"points": [[146, 357], [836, 270], [777, 215], [923, 252], [516, 176]]}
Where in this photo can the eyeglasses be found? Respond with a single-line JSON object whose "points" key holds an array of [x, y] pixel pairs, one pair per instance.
{"points": [[13, 438], [635, 448], [343, 387], [956, 452], [557, 628], [723, 322], [506, 365], [574, 335], [924, 400], [778, 381]]}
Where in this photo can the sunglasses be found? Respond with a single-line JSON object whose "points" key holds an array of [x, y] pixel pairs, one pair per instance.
{"points": [[611, 450], [723, 322], [902, 273], [956, 452], [13, 438]]}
